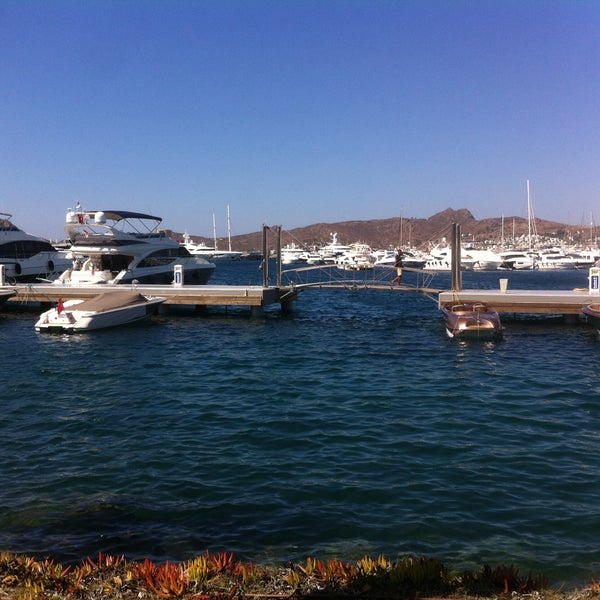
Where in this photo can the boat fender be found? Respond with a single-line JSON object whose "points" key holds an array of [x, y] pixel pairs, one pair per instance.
{"points": [[17, 268], [51, 265]]}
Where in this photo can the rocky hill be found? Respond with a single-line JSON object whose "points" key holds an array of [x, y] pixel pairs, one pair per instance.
{"points": [[384, 233]]}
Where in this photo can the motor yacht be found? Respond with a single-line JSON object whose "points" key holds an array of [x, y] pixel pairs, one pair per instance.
{"points": [[440, 259], [518, 260], [358, 257], [26, 258], [210, 253], [122, 247]]}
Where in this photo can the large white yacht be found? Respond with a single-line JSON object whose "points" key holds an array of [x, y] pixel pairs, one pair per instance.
{"points": [[117, 247], [28, 258]]}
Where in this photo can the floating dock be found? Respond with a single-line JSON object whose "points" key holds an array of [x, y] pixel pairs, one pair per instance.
{"points": [[560, 302], [254, 296]]}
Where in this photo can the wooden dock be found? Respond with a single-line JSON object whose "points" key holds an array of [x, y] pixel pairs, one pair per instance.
{"points": [[560, 302], [254, 296]]}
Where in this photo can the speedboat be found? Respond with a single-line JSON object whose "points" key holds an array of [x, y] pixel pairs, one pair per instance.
{"points": [[27, 258], [473, 321], [592, 313], [109, 309], [122, 247]]}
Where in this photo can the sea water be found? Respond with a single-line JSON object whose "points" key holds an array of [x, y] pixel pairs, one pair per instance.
{"points": [[352, 426]]}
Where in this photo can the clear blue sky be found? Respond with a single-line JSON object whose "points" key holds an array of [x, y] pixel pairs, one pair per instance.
{"points": [[297, 112]]}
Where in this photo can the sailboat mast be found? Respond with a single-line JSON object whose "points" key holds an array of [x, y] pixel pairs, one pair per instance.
{"points": [[214, 232], [528, 215], [228, 228]]}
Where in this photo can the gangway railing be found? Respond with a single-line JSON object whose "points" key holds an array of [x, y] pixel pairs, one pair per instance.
{"points": [[331, 276]]}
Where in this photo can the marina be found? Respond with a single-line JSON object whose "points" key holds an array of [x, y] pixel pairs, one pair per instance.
{"points": [[352, 427]]}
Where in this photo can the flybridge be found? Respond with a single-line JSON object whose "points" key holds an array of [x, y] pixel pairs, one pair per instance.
{"points": [[102, 221]]}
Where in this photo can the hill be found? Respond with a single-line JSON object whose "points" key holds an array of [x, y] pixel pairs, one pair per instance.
{"points": [[383, 233]]}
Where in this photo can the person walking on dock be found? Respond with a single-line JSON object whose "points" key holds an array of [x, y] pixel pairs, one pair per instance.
{"points": [[398, 266]]}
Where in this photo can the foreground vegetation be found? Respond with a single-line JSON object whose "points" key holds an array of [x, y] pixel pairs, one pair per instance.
{"points": [[222, 577]]}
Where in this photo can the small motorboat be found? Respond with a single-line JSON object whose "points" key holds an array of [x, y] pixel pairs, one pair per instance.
{"points": [[476, 321], [108, 309], [592, 313]]}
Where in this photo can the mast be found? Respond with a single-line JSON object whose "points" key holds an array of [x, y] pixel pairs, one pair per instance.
{"points": [[228, 228], [214, 232], [528, 215], [530, 218]]}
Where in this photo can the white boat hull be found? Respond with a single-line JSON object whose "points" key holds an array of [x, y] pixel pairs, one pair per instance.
{"points": [[75, 316]]}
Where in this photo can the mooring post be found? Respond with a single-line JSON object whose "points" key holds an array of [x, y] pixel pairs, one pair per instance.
{"points": [[278, 253], [265, 258], [456, 258]]}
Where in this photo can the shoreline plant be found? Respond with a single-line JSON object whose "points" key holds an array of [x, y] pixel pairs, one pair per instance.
{"points": [[220, 576]]}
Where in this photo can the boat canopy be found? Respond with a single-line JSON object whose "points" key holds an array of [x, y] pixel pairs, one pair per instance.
{"points": [[117, 215]]}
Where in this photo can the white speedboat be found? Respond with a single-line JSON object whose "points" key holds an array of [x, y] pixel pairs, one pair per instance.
{"points": [[121, 247], [109, 309], [27, 258]]}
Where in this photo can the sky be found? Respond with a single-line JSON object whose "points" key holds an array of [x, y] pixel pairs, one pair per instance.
{"points": [[296, 112]]}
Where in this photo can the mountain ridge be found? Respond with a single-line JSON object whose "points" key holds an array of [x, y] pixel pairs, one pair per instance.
{"points": [[396, 231]]}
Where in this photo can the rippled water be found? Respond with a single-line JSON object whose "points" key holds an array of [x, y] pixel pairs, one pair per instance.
{"points": [[351, 427]]}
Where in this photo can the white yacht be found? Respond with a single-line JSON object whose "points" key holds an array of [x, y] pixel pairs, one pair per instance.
{"points": [[410, 259], [440, 259], [210, 253], [484, 260], [556, 259], [121, 247], [331, 251], [292, 254], [358, 257], [518, 260], [27, 258]]}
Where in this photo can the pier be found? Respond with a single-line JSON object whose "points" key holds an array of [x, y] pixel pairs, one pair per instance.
{"points": [[255, 297], [561, 302]]}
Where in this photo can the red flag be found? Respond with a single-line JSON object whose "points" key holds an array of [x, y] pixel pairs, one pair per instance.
{"points": [[60, 306]]}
